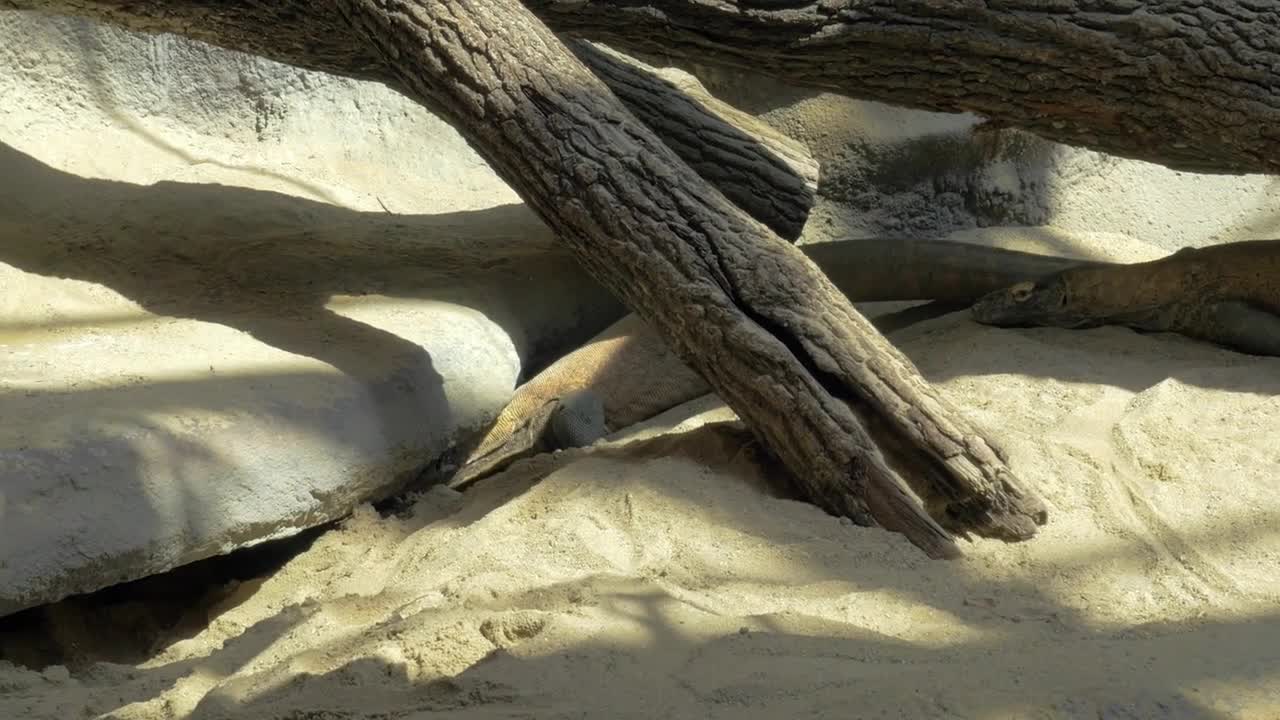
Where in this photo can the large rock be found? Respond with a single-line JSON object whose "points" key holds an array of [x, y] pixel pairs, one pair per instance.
{"points": [[187, 369], [284, 294]]}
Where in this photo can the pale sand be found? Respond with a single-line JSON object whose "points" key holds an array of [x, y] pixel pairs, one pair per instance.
{"points": [[675, 583], [670, 580]]}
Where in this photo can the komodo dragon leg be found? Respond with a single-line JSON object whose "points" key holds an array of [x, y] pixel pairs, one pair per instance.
{"points": [[1227, 294], [627, 374]]}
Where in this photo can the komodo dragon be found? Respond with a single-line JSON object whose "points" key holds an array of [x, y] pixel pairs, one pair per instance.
{"points": [[1227, 294], [626, 374]]}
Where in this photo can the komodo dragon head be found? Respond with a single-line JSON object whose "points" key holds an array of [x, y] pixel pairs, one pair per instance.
{"points": [[1229, 300], [1043, 302]]}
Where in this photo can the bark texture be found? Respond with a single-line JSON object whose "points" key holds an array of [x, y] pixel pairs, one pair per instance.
{"points": [[762, 171], [748, 311], [771, 176], [1191, 84]]}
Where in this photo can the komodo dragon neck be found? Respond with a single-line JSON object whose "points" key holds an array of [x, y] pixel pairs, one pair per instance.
{"points": [[635, 376], [886, 269]]}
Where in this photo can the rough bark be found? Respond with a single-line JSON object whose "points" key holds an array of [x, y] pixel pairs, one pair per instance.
{"points": [[1191, 84], [771, 176], [762, 171], [748, 311]]}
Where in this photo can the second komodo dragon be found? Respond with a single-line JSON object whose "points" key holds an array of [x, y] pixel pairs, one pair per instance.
{"points": [[1229, 294]]}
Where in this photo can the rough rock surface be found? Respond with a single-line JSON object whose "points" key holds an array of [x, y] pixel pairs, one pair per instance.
{"points": [[189, 367], [887, 170], [173, 389]]}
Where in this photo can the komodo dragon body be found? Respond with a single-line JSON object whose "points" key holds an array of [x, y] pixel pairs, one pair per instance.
{"points": [[627, 374], [1227, 294]]}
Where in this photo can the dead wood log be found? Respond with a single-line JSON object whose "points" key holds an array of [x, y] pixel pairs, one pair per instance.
{"points": [[762, 171], [752, 314], [1190, 84]]}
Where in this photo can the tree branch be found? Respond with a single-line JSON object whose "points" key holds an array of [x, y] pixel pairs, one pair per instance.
{"points": [[748, 311], [762, 171], [1190, 84]]}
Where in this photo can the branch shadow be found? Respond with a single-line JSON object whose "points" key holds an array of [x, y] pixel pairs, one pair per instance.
{"points": [[671, 645], [187, 250], [1110, 356], [290, 273], [789, 668]]}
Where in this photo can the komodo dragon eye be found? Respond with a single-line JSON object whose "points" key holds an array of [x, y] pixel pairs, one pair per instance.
{"points": [[1022, 291]]}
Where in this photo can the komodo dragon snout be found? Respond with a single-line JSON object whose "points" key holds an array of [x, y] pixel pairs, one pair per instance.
{"points": [[574, 419], [1033, 303]]}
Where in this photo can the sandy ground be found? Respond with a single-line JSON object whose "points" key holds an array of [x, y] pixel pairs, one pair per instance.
{"points": [[674, 577]]}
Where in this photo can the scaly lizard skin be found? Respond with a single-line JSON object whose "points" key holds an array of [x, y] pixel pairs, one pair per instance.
{"points": [[627, 374], [1227, 294]]}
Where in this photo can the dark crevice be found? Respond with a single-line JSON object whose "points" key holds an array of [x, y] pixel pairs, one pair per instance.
{"points": [[130, 622]]}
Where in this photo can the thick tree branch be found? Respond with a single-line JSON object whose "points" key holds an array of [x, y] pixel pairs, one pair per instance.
{"points": [[1191, 84], [838, 404], [749, 312], [762, 171]]}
